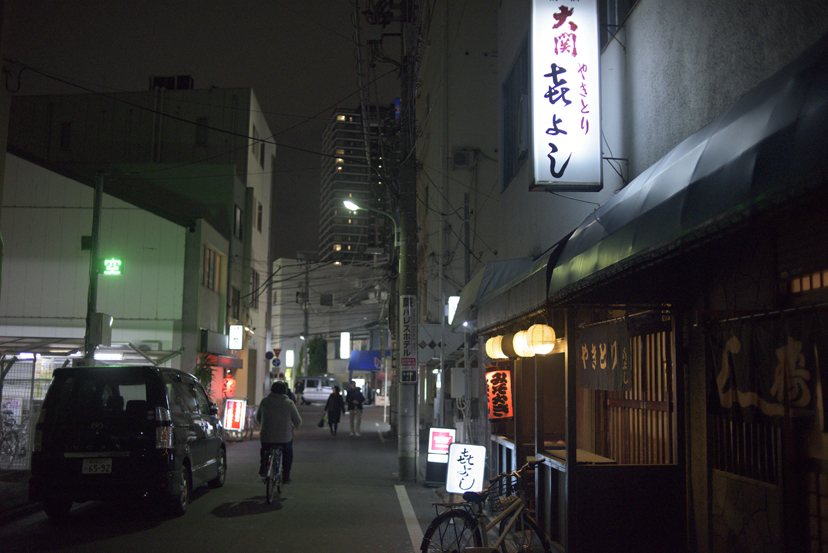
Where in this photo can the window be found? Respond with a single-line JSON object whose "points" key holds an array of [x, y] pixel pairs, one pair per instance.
{"points": [[235, 303], [256, 143], [515, 115], [238, 223], [259, 216], [210, 268], [612, 15], [254, 290], [202, 131]]}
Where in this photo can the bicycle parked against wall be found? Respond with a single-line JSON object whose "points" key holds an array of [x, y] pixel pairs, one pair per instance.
{"points": [[273, 479], [9, 439], [467, 524]]}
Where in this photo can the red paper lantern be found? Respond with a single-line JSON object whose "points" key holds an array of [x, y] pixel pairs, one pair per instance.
{"points": [[499, 392]]}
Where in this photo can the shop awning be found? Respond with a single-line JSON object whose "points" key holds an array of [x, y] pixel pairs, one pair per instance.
{"points": [[521, 295], [366, 360], [490, 277], [772, 145]]}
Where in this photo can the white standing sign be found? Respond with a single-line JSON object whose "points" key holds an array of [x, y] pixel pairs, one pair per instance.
{"points": [[565, 95], [466, 464]]}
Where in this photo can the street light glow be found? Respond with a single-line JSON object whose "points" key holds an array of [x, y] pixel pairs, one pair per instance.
{"points": [[351, 205]]}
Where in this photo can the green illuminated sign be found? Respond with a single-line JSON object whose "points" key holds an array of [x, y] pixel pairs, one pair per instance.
{"points": [[111, 266]]}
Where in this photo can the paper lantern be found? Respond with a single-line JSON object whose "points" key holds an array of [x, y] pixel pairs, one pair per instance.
{"points": [[497, 348], [520, 345], [490, 347], [540, 338]]}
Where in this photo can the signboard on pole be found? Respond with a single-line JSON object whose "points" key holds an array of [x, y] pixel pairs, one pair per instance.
{"points": [[408, 337], [565, 96]]}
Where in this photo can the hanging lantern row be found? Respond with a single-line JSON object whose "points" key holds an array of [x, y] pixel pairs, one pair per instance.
{"points": [[538, 339]]}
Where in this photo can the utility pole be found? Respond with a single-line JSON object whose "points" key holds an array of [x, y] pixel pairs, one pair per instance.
{"points": [[89, 343], [408, 426]]}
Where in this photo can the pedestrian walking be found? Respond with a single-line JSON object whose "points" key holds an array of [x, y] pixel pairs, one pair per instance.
{"points": [[299, 389], [354, 400], [335, 406]]}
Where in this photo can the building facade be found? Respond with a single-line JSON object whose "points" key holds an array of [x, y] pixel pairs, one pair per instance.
{"points": [[353, 165], [185, 153], [697, 268]]}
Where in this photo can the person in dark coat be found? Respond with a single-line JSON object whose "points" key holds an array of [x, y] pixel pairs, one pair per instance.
{"points": [[335, 406]]}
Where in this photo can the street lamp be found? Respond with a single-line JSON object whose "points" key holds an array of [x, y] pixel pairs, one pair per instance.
{"points": [[406, 341], [354, 207]]}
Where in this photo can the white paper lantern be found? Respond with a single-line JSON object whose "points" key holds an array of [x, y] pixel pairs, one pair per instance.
{"points": [[540, 338], [521, 346]]}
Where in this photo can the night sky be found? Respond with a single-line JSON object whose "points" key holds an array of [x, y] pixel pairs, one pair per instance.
{"points": [[297, 56]]}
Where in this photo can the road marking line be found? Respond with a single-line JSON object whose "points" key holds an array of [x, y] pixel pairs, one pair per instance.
{"points": [[415, 533]]}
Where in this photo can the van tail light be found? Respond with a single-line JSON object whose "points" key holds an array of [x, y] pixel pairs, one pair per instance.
{"points": [[163, 428]]}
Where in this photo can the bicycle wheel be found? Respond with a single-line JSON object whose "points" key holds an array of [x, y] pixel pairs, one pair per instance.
{"points": [[451, 531], [277, 470], [8, 449], [271, 488], [525, 535]]}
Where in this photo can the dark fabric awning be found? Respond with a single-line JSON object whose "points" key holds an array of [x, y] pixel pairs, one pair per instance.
{"points": [[366, 360], [490, 277], [771, 145], [521, 295]]}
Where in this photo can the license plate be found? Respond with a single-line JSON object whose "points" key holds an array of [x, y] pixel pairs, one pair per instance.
{"points": [[97, 466]]}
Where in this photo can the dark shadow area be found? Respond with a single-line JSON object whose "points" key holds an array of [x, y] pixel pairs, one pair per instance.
{"points": [[251, 506]]}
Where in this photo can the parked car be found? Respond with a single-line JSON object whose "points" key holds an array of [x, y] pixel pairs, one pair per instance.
{"points": [[318, 388], [125, 433]]}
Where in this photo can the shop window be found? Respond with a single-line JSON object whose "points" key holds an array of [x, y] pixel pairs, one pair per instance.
{"points": [[515, 94]]}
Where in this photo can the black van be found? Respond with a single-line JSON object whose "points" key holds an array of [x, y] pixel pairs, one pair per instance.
{"points": [[125, 432]]}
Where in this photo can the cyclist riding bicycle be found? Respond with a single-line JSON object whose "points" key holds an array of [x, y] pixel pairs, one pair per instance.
{"points": [[278, 416]]}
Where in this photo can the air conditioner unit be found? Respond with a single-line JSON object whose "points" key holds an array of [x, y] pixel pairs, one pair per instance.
{"points": [[462, 158]]}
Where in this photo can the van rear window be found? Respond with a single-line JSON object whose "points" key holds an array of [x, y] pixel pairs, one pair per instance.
{"points": [[94, 390]]}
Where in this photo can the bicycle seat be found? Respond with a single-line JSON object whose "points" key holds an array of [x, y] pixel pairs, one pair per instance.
{"points": [[474, 497]]}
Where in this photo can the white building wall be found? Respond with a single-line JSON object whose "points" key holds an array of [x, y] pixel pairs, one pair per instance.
{"points": [[46, 273]]}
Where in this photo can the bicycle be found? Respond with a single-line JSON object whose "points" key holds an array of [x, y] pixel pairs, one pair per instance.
{"points": [[464, 525], [273, 478], [9, 440]]}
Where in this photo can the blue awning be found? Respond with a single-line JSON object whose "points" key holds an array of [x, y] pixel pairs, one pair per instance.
{"points": [[366, 360]]}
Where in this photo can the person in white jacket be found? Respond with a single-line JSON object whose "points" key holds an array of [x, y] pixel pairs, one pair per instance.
{"points": [[278, 416]]}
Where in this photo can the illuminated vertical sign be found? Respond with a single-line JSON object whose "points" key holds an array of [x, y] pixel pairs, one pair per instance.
{"points": [[236, 337], [499, 392], [408, 337], [565, 95], [235, 411]]}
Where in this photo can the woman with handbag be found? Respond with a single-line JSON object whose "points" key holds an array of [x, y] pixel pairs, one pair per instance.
{"points": [[334, 408]]}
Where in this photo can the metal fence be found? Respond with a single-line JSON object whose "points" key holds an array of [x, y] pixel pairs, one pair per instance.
{"points": [[23, 390]]}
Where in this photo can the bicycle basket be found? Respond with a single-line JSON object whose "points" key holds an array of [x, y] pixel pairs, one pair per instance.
{"points": [[503, 492]]}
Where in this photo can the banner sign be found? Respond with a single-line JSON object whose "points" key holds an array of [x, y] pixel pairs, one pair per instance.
{"points": [[408, 335], [499, 392], [465, 468], [235, 412], [565, 95], [767, 369], [603, 353]]}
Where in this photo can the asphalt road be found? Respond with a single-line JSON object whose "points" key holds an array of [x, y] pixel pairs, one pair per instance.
{"points": [[345, 496]]}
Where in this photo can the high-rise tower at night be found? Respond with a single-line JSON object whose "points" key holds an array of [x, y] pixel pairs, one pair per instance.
{"points": [[352, 166]]}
